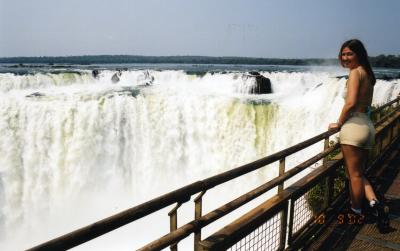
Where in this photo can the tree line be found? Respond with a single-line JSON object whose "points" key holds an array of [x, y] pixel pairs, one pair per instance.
{"points": [[389, 61]]}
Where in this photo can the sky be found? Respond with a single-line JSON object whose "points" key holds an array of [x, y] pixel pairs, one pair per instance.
{"points": [[248, 28]]}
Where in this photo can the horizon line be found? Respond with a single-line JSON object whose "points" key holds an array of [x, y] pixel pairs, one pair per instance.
{"points": [[164, 56]]}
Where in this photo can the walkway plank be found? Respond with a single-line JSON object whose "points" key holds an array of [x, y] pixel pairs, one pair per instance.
{"points": [[367, 237]]}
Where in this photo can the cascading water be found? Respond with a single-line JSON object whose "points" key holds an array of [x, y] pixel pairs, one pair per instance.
{"points": [[75, 148]]}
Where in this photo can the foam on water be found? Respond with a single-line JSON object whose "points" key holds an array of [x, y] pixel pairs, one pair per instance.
{"points": [[86, 148]]}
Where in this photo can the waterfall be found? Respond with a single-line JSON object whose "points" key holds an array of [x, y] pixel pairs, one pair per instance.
{"points": [[75, 148]]}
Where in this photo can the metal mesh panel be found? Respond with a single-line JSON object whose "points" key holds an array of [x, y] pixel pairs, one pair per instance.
{"points": [[265, 237], [308, 205], [301, 213]]}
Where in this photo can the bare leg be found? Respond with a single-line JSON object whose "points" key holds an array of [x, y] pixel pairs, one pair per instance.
{"points": [[369, 191], [354, 160]]}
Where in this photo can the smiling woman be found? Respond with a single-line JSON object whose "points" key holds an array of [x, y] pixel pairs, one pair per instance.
{"points": [[348, 58], [357, 134]]}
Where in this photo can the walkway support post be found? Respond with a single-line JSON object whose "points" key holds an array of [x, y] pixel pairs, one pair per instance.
{"points": [[281, 172], [326, 146], [173, 221], [284, 215], [198, 207]]}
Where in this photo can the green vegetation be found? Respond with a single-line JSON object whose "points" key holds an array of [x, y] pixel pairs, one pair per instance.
{"points": [[316, 196], [389, 61], [121, 59]]}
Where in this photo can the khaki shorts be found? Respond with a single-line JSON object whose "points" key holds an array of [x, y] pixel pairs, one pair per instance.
{"points": [[358, 131]]}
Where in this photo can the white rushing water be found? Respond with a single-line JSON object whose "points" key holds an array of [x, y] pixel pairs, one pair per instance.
{"points": [[82, 148]]}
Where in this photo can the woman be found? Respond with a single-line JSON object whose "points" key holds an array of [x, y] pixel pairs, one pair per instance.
{"points": [[357, 133]]}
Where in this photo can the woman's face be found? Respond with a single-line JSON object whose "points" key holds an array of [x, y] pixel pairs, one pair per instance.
{"points": [[349, 58]]}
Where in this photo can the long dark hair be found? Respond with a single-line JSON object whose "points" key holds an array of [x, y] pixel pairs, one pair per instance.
{"points": [[358, 48]]}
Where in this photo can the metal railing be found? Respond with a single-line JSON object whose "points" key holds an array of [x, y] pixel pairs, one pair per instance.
{"points": [[275, 224], [311, 202]]}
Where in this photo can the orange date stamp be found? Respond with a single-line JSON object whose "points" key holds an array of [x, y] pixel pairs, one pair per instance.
{"points": [[344, 218]]}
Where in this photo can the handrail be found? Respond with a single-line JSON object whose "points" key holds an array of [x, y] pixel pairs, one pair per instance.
{"points": [[223, 210], [184, 194], [241, 227], [239, 171], [268, 208], [380, 108]]}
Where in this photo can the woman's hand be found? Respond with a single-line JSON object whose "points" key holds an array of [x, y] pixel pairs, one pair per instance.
{"points": [[333, 126]]}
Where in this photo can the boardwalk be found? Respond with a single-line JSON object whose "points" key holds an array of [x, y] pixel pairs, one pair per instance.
{"points": [[367, 237]]}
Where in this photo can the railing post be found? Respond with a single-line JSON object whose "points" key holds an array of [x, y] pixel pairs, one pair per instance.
{"points": [[391, 133], [397, 127], [284, 215], [282, 168], [291, 218], [328, 180], [173, 223], [397, 121], [380, 140], [281, 172], [328, 192], [197, 214], [326, 146], [387, 138]]}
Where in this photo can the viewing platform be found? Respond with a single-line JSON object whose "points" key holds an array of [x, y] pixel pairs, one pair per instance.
{"points": [[366, 236], [307, 214]]}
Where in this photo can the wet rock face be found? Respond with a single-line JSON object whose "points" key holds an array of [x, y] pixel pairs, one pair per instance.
{"points": [[254, 73], [95, 73], [263, 84], [116, 77], [35, 94]]}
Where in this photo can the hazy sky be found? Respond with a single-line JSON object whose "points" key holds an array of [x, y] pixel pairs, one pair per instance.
{"points": [[252, 28]]}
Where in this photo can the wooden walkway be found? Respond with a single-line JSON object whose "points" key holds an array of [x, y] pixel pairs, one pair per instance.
{"points": [[366, 236]]}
